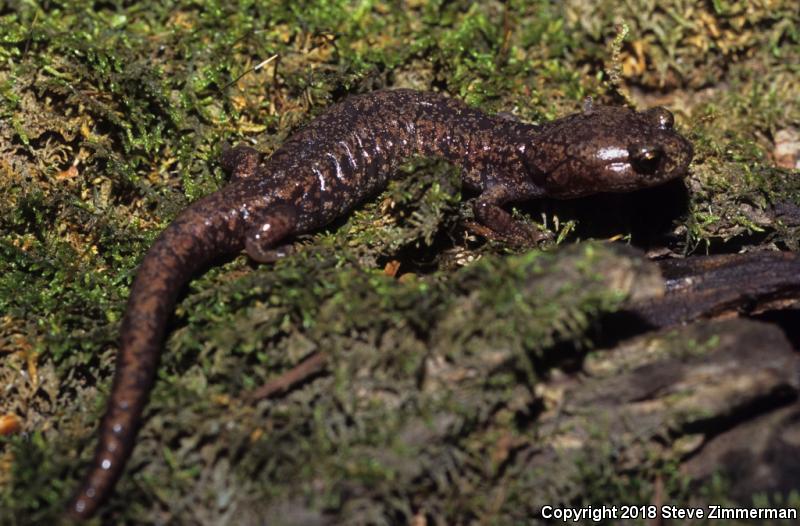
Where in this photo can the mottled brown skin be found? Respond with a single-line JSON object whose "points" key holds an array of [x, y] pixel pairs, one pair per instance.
{"points": [[338, 161]]}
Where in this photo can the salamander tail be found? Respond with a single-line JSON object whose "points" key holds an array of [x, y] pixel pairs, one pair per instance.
{"points": [[187, 245]]}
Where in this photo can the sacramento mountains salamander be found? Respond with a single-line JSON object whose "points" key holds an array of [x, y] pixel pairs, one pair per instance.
{"points": [[337, 161]]}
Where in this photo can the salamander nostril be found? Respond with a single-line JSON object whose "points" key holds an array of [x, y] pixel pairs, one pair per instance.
{"points": [[646, 159]]}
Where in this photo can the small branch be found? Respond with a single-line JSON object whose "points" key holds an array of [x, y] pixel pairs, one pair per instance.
{"points": [[304, 371]]}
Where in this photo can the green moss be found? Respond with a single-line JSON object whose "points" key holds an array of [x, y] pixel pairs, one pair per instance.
{"points": [[112, 117]]}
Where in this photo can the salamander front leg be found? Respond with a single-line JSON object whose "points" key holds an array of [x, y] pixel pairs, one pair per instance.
{"points": [[495, 223], [278, 224], [240, 161]]}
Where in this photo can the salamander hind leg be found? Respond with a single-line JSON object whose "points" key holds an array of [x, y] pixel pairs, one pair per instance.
{"points": [[497, 224], [240, 161], [262, 240]]}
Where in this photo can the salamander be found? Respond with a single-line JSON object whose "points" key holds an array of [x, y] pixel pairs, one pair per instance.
{"points": [[340, 159]]}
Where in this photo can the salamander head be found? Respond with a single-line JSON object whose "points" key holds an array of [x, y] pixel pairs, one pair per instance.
{"points": [[608, 149]]}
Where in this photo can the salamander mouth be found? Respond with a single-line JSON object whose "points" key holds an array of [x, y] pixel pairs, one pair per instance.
{"points": [[627, 175]]}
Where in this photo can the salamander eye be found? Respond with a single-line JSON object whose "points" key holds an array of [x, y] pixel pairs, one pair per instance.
{"points": [[661, 117], [646, 159]]}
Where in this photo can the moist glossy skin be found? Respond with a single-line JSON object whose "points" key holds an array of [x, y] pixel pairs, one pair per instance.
{"points": [[337, 161]]}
